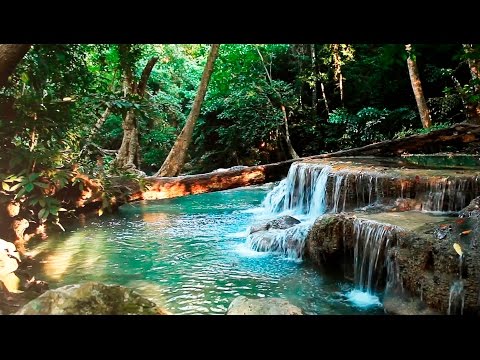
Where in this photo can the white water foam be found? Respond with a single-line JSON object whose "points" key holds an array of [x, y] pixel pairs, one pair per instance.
{"points": [[362, 299]]}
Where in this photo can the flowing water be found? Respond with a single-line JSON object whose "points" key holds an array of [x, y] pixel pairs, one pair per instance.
{"points": [[190, 256]]}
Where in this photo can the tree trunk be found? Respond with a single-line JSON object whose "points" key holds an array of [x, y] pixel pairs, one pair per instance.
{"points": [[337, 65], [168, 187], [128, 156], [473, 109], [10, 56], [175, 160], [417, 89], [325, 98], [290, 148], [314, 73]]}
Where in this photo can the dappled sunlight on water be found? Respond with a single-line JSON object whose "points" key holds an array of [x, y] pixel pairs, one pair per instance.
{"points": [[188, 255]]}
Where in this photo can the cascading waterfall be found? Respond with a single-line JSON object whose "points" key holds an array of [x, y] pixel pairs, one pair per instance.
{"points": [[456, 300], [372, 242], [446, 195], [302, 192], [288, 242]]}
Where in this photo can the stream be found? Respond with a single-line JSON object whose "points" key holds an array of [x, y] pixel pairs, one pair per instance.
{"points": [[189, 255]]}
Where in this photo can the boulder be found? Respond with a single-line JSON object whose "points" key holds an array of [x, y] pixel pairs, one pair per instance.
{"points": [[281, 223], [91, 298], [472, 210], [242, 305], [9, 259]]}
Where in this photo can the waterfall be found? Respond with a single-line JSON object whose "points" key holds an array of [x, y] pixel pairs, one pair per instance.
{"points": [[302, 192], [288, 242], [456, 300], [446, 195], [372, 241]]}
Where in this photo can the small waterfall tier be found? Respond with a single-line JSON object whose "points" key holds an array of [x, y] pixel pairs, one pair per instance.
{"points": [[315, 187]]}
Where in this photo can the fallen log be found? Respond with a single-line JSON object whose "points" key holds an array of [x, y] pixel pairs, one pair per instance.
{"points": [[169, 187], [155, 188]]}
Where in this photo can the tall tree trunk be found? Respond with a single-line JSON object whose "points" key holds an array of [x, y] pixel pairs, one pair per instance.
{"points": [[417, 89], [128, 156], [473, 109], [314, 74], [10, 56], [175, 160], [337, 65], [325, 98], [290, 148]]}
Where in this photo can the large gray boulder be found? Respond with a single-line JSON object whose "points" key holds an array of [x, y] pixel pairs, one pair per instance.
{"points": [[241, 305], [280, 223], [91, 298]]}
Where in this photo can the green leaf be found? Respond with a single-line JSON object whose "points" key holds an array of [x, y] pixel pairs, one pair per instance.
{"points": [[5, 186], [43, 214], [40, 184], [28, 187], [33, 176], [42, 202], [20, 194]]}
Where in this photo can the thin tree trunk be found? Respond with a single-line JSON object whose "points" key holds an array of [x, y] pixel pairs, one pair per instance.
{"points": [[473, 109], [325, 98], [337, 65], [10, 56], [314, 73], [290, 148], [417, 89], [169, 187], [175, 160], [101, 120]]}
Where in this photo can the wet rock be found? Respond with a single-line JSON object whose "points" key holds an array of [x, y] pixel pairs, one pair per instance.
{"points": [[91, 298], [241, 305], [405, 204], [283, 222], [424, 263], [398, 305], [10, 302], [328, 237], [472, 210]]}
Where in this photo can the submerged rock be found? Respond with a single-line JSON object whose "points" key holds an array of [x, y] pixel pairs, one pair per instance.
{"points": [[281, 223], [91, 298], [242, 305]]}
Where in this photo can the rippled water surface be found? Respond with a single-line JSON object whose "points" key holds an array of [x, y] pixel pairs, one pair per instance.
{"points": [[189, 256]]}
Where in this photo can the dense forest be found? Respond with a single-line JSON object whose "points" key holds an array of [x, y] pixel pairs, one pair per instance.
{"points": [[71, 115]]}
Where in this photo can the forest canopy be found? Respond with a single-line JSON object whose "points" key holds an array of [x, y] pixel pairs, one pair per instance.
{"points": [[72, 108]]}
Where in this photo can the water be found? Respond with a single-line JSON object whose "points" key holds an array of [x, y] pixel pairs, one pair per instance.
{"points": [[190, 256], [372, 241], [456, 300], [302, 192]]}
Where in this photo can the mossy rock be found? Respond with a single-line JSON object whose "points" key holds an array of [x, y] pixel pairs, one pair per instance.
{"points": [[91, 298]]}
